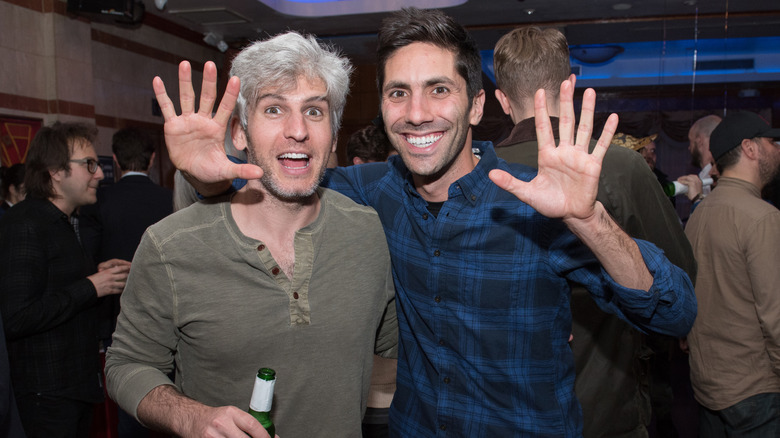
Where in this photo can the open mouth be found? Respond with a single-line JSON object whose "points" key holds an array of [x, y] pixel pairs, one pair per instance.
{"points": [[294, 161], [423, 141]]}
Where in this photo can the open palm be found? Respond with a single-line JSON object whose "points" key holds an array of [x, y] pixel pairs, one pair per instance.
{"points": [[567, 181], [195, 140]]}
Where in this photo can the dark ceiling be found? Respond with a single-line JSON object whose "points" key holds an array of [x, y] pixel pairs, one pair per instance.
{"points": [[583, 21]]}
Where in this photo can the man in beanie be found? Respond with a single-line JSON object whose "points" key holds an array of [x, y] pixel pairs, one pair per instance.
{"points": [[735, 341]]}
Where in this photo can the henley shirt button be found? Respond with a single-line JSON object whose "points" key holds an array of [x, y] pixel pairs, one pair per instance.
{"points": [[425, 216], [437, 298], [443, 427], [473, 197], [260, 247], [441, 342], [295, 295], [275, 270], [447, 380], [437, 253]]}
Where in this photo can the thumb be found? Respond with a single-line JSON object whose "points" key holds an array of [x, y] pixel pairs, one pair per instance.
{"points": [[509, 183], [248, 171]]}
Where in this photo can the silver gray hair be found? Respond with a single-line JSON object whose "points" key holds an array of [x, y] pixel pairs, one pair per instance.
{"points": [[280, 61]]}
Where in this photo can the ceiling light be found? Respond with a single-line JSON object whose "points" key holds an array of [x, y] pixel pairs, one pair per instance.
{"points": [[621, 6], [215, 40], [595, 54], [529, 11], [325, 8]]}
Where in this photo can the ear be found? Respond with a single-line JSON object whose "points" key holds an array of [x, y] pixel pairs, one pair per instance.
{"points": [[56, 175], [357, 160], [750, 149], [333, 146], [504, 101], [477, 108], [151, 160], [238, 134]]}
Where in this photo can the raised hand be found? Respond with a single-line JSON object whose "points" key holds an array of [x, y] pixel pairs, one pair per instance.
{"points": [[567, 182], [195, 140]]}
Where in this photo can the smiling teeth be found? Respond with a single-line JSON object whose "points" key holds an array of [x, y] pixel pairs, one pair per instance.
{"points": [[423, 142], [293, 156]]}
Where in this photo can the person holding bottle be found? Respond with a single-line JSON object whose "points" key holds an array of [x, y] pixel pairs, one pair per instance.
{"points": [[263, 277], [701, 157], [735, 342], [482, 249]]}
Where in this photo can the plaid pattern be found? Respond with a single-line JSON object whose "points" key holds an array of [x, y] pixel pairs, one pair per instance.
{"points": [[483, 304], [48, 304]]}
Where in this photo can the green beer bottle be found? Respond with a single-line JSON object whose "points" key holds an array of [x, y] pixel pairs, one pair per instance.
{"points": [[262, 396]]}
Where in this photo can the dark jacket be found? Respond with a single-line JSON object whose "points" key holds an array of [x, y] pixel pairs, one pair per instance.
{"points": [[112, 228], [48, 304]]}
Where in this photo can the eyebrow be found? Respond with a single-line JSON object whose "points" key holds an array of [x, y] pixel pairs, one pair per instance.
{"points": [[428, 83], [282, 97]]}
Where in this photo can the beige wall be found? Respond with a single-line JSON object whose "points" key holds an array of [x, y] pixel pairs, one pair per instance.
{"points": [[59, 68]]}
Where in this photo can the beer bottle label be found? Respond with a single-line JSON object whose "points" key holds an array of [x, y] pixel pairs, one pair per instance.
{"points": [[262, 395]]}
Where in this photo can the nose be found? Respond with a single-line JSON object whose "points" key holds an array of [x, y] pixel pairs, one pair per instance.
{"points": [[295, 127], [418, 109], [99, 173]]}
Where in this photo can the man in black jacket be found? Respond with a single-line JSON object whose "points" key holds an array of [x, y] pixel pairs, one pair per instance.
{"points": [[113, 226], [49, 289]]}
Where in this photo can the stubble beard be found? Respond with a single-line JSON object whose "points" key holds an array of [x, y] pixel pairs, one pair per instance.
{"points": [[767, 169], [696, 157], [272, 186]]}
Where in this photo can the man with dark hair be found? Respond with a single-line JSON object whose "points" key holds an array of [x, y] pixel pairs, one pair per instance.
{"points": [[610, 356], [49, 289], [112, 227], [482, 278], [735, 341], [368, 145]]}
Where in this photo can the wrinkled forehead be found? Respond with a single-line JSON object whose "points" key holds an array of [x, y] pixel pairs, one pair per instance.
{"points": [[300, 86]]}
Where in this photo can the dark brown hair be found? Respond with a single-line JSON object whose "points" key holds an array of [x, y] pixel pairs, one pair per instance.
{"points": [[50, 150], [412, 25]]}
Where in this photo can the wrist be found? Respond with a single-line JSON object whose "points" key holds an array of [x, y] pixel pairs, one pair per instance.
{"points": [[591, 224]]}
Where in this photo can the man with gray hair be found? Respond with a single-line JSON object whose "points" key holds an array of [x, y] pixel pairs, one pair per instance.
{"points": [[274, 291]]}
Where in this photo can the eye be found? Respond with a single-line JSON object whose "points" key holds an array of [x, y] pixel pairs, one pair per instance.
{"points": [[273, 110], [396, 94], [440, 90], [314, 112]]}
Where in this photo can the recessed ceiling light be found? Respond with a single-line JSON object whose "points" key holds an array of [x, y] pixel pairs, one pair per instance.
{"points": [[689, 2], [329, 8], [621, 6], [529, 11]]}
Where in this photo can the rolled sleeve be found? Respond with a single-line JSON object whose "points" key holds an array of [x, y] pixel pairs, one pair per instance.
{"points": [[668, 308]]}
